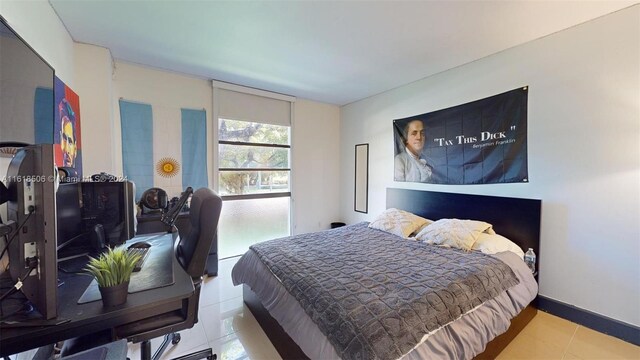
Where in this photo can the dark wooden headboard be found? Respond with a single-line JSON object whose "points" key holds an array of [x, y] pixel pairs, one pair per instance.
{"points": [[517, 219]]}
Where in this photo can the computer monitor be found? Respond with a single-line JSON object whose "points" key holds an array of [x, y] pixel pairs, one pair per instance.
{"points": [[31, 182], [112, 205], [72, 237], [92, 215], [26, 91]]}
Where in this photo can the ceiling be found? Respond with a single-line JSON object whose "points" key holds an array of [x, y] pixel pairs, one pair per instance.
{"points": [[335, 52]]}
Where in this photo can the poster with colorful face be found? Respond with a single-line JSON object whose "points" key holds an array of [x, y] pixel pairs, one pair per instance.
{"points": [[66, 128]]}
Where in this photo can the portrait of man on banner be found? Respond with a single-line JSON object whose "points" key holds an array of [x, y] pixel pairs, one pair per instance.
{"points": [[409, 163], [481, 142], [66, 128]]}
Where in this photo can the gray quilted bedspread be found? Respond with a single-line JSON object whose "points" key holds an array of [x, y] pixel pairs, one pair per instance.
{"points": [[375, 295]]}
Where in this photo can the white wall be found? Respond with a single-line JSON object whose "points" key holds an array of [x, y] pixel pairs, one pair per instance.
{"points": [[315, 170], [167, 93], [93, 73], [316, 166], [584, 152]]}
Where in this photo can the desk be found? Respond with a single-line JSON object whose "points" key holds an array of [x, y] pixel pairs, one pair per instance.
{"points": [[91, 317]]}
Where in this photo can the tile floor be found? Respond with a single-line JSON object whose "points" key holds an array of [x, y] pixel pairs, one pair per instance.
{"points": [[233, 333], [550, 337]]}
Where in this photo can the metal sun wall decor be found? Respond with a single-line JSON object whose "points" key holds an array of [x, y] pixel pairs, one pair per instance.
{"points": [[167, 167]]}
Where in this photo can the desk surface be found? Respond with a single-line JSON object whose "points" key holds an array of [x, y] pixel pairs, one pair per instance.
{"points": [[92, 317]]}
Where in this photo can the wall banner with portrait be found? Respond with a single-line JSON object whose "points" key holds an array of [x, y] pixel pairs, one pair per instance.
{"points": [[481, 142], [66, 127]]}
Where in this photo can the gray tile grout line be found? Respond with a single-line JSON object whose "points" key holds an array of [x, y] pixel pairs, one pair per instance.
{"points": [[217, 302], [570, 341]]}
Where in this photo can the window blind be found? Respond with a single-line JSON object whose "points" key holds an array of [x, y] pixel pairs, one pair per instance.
{"points": [[253, 108]]}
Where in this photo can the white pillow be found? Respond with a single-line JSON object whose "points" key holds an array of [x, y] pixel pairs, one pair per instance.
{"points": [[398, 222], [456, 233], [492, 244]]}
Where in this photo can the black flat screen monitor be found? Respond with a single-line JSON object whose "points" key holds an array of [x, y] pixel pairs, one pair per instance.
{"points": [[112, 205], [83, 206], [26, 91], [72, 237], [31, 182]]}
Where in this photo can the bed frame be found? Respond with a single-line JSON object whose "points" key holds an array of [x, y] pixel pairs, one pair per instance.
{"points": [[514, 218]]}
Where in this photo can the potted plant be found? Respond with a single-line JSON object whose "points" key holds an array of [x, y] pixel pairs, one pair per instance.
{"points": [[112, 271]]}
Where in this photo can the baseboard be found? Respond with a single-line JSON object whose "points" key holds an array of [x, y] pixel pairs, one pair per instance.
{"points": [[603, 324]]}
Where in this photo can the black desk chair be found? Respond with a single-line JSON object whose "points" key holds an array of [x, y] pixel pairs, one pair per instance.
{"points": [[191, 252]]}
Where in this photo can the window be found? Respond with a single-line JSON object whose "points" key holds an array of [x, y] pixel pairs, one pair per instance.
{"points": [[253, 160], [253, 166], [254, 182]]}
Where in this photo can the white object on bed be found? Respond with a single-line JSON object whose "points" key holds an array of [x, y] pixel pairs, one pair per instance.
{"points": [[398, 222], [461, 234], [494, 243]]}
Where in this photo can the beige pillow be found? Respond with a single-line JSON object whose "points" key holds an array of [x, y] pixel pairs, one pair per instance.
{"points": [[398, 222], [493, 244], [456, 233]]}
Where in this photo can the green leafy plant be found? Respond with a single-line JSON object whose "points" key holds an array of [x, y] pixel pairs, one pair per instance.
{"points": [[113, 267]]}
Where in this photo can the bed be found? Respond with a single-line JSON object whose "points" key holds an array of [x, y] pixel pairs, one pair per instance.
{"points": [[280, 294]]}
